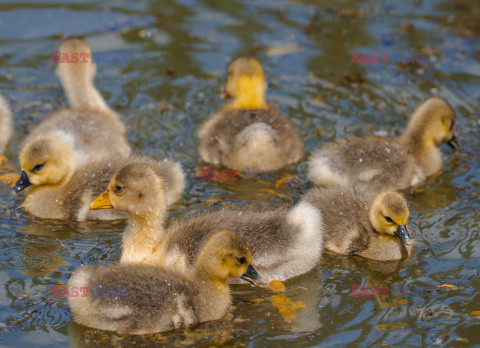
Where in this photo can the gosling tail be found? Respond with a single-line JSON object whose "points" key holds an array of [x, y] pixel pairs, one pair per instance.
{"points": [[80, 282], [256, 147]]}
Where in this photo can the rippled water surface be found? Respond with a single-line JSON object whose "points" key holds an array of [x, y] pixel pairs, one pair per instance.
{"points": [[174, 55]]}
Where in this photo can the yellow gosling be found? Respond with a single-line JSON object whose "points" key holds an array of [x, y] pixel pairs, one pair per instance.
{"points": [[149, 299], [246, 84]]}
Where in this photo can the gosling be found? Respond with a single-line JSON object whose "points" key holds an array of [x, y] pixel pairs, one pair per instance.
{"points": [[285, 242], [355, 222], [135, 299], [57, 191], [88, 131], [247, 133], [379, 163]]}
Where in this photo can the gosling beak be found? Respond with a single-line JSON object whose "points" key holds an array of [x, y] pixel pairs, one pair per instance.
{"points": [[403, 234], [453, 143], [22, 182], [223, 93], [251, 275], [102, 202]]}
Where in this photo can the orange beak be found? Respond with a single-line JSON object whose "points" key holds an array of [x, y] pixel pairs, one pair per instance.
{"points": [[223, 93], [102, 202]]}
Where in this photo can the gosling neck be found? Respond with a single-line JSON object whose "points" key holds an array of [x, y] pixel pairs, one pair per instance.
{"points": [[423, 147], [385, 247], [372, 215], [77, 80], [417, 138], [250, 93], [143, 235], [212, 287]]}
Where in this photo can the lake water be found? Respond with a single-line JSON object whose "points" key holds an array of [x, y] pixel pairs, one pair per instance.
{"points": [[162, 64]]}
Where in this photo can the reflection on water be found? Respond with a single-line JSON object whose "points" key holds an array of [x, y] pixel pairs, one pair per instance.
{"points": [[176, 52]]}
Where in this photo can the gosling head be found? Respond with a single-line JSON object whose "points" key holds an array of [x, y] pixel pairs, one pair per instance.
{"points": [[135, 189], [436, 119], [389, 215], [46, 160], [246, 83], [226, 255]]}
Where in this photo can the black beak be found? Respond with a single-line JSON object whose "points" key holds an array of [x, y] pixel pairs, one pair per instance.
{"points": [[251, 275], [404, 235], [453, 143], [22, 183]]}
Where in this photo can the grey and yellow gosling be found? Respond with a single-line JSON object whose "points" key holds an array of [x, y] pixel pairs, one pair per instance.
{"points": [[247, 133], [138, 299], [377, 163]]}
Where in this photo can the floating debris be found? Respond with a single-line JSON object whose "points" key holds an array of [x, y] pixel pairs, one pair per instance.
{"points": [[9, 178], [287, 307], [277, 286], [282, 50], [391, 326]]}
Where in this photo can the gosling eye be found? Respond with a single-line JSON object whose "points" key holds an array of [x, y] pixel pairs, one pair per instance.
{"points": [[452, 124], [118, 189], [389, 219], [241, 260], [37, 168]]}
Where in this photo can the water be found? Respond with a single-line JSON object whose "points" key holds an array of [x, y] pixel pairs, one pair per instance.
{"points": [[174, 55]]}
